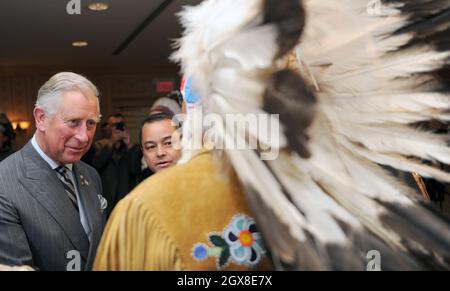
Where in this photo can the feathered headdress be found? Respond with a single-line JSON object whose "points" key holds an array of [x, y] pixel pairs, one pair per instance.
{"points": [[349, 79]]}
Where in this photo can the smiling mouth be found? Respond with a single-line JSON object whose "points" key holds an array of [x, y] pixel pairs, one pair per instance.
{"points": [[76, 149]]}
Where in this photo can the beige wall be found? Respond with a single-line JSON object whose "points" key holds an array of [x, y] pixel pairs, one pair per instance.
{"points": [[129, 90]]}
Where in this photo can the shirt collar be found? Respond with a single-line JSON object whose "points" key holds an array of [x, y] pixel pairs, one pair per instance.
{"points": [[46, 158]]}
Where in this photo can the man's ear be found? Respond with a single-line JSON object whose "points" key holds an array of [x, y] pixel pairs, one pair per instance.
{"points": [[40, 118]]}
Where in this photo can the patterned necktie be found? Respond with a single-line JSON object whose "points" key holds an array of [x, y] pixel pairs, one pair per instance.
{"points": [[63, 175]]}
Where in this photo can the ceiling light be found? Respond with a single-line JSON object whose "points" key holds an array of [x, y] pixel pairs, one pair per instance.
{"points": [[98, 6], [79, 43]]}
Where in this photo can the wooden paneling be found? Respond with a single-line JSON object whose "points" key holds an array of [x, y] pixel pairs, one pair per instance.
{"points": [[130, 91]]}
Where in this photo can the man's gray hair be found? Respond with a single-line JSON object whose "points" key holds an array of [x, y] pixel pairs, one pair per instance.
{"points": [[49, 95]]}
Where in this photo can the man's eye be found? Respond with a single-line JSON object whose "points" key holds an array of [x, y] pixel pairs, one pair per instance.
{"points": [[150, 147], [168, 143], [73, 122], [91, 123]]}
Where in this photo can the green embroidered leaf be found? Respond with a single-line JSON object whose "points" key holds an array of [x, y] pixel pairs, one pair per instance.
{"points": [[224, 257], [218, 241]]}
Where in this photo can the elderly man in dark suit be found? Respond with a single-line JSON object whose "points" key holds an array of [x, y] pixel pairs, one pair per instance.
{"points": [[50, 203]]}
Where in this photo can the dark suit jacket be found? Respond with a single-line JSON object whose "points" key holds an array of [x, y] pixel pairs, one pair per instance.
{"points": [[38, 224], [116, 172]]}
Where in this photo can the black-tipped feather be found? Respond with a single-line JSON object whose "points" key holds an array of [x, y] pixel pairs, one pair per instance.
{"points": [[289, 96], [287, 253], [289, 17]]}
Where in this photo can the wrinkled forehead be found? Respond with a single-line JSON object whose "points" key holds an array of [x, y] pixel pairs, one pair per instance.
{"points": [[76, 105]]}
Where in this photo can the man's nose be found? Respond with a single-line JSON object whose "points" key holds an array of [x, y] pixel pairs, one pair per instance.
{"points": [[161, 151], [82, 134]]}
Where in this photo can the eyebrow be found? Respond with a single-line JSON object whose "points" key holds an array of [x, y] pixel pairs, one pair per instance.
{"points": [[96, 119], [154, 142]]}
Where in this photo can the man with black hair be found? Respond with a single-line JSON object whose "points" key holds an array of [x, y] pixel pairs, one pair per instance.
{"points": [[159, 140]]}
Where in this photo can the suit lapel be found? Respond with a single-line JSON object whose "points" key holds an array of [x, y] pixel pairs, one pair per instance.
{"points": [[89, 195], [44, 185]]}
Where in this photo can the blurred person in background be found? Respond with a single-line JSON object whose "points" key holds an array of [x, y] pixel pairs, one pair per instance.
{"points": [[112, 161], [6, 137]]}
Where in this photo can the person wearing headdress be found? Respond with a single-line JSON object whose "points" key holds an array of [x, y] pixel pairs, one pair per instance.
{"points": [[343, 83], [188, 217]]}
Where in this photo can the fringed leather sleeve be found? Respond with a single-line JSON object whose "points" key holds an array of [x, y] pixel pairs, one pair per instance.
{"points": [[135, 240]]}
